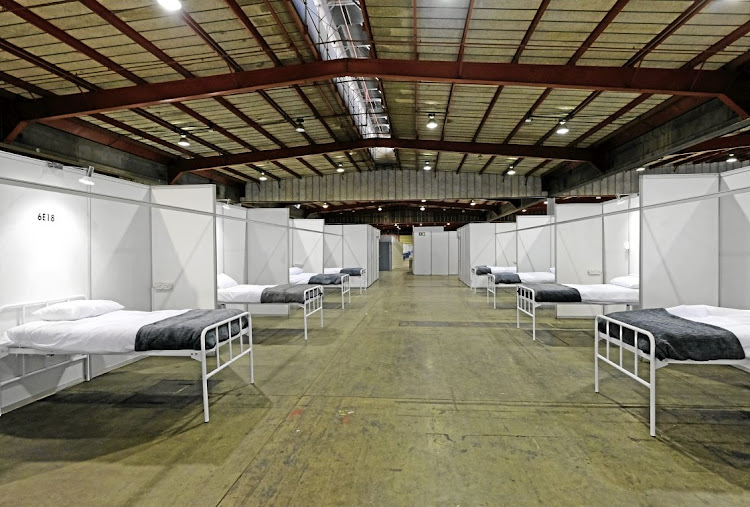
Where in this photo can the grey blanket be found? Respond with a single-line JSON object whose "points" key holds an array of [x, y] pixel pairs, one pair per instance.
{"points": [[284, 294], [329, 279], [677, 338], [483, 270], [554, 293], [351, 271], [507, 278], [183, 332]]}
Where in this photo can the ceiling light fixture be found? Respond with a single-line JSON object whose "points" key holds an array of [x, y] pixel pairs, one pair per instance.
{"points": [[523, 210], [448, 223], [431, 123], [298, 206], [171, 5], [226, 202], [527, 119], [511, 170], [640, 169], [300, 125], [427, 166], [421, 208], [380, 209], [325, 205], [563, 129], [732, 158], [424, 200], [263, 176], [598, 196], [472, 203], [183, 141], [86, 178], [340, 168]]}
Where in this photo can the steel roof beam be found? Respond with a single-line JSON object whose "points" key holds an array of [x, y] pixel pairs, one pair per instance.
{"points": [[729, 86], [551, 152]]}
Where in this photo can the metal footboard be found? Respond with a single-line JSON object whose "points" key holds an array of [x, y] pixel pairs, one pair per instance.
{"points": [[491, 289], [526, 303], [227, 346], [313, 303], [619, 362]]}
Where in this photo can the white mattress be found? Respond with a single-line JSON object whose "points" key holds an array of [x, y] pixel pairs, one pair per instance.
{"points": [[111, 333], [301, 278], [537, 277], [605, 293], [735, 321], [242, 293], [331, 271]]}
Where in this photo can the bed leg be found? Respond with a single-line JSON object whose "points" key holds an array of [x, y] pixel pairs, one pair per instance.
{"points": [[87, 368], [652, 400], [252, 359], [533, 323], [204, 380], [321, 314], [518, 314], [305, 312], [596, 356], [342, 300]]}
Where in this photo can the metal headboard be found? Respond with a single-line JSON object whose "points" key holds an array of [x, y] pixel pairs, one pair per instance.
{"points": [[22, 309]]}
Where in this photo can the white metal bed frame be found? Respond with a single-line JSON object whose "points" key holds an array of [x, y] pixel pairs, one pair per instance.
{"points": [[313, 303], [638, 354], [344, 287], [492, 288], [362, 280], [202, 355], [526, 303]]}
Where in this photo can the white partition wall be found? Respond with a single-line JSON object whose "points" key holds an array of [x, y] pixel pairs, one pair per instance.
{"points": [[184, 249], [333, 246], [55, 244], [679, 242], [535, 243], [231, 241], [579, 251], [477, 246], [307, 244], [268, 254], [735, 240], [452, 252], [440, 252], [505, 244], [362, 250]]}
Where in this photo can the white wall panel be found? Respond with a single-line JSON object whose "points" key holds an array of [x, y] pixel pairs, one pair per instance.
{"points": [[189, 197], [231, 242], [579, 246], [661, 188], [505, 244], [333, 246], [422, 264], [268, 252], [735, 241], [307, 245], [440, 253], [452, 253], [535, 240]]}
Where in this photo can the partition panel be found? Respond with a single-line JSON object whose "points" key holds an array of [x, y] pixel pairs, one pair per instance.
{"points": [[268, 254], [422, 264], [439, 249], [680, 242], [307, 244], [452, 253], [184, 248], [579, 252], [231, 242], [735, 240], [535, 243], [333, 246], [505, 244]]}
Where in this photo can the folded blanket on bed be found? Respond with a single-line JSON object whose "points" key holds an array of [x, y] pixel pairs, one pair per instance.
{"points": [[554, 293], [507, 278], [351, 271], [329, 279], [483, 270], [676, 338], [183, 332], [285, 294]]}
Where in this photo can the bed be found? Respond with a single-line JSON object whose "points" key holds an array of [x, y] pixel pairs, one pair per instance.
{"points": [[623, 290], [688, 334], [54, 330], [479, 272], [511, 279], [307, 297], [357, 274], [329, 281]]}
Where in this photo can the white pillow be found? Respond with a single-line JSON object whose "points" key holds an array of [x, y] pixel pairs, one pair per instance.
{"points": [[295, 271], [76, 310], [224, 281], [629, 282]]}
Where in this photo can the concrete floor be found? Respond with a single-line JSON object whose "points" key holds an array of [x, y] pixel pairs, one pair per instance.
{"points": [[420, 394]]}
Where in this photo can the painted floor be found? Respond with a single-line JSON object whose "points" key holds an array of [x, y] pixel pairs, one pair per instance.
{"points": [[418, 394]]}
